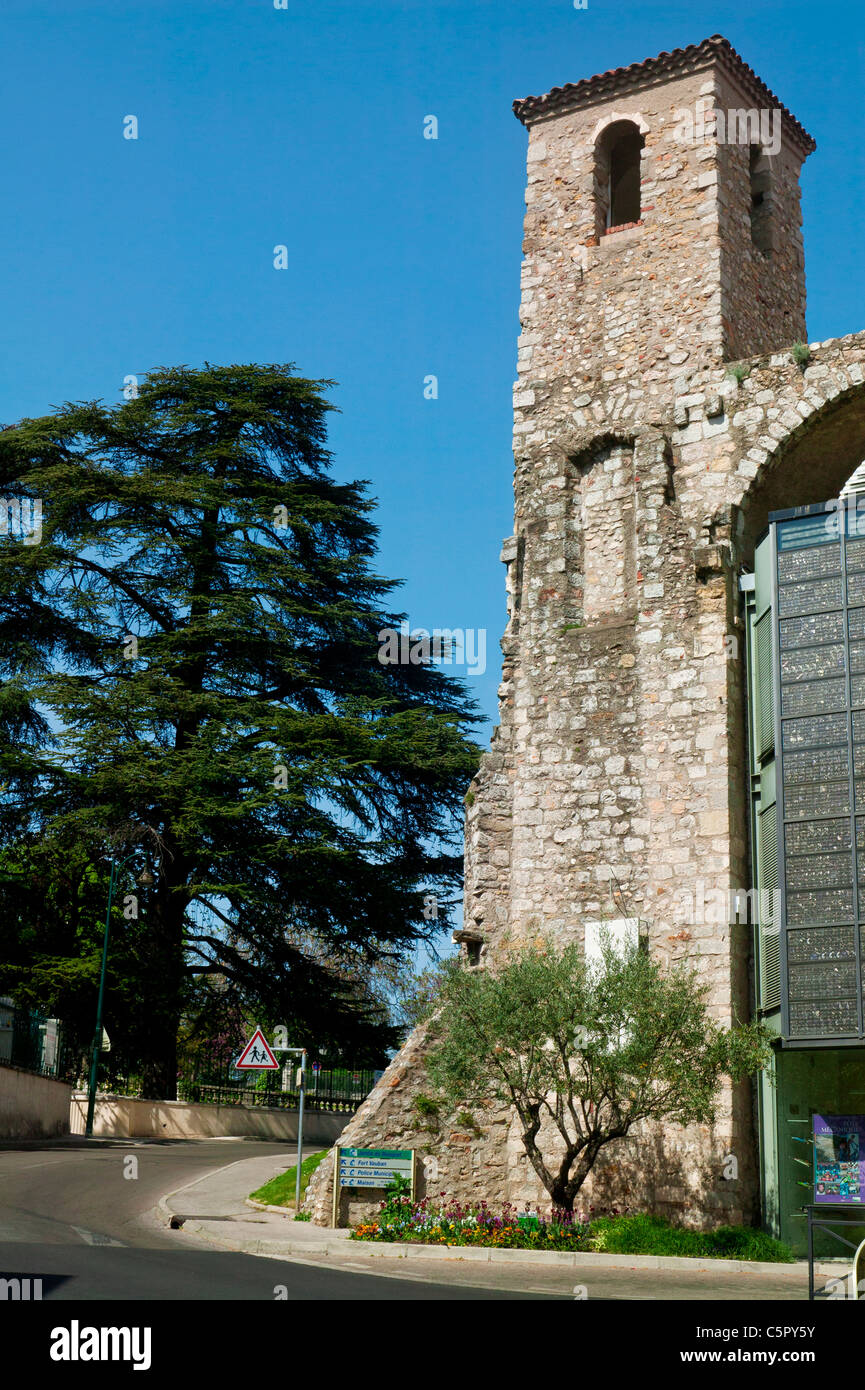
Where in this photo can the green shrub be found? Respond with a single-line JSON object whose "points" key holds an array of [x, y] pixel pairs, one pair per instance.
{"points": [[651, 1235], [428, 1109], [801, 354], [739, 371]]}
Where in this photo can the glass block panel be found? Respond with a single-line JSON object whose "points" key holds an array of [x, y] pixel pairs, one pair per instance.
{"points": [[855, 557], [809, 663], [855, 623], [816, 799], [856, 588], [820, 905], [816, 597], [823, 1019], [859, 727], [819, 871], [814, 562], [857, 656], [828, 729], [821, 944], [857, 690], [822, 837], [814, 627], [814, 697], [826, 981], [824, 764]]}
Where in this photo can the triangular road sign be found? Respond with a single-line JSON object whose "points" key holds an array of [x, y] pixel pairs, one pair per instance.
{"points": [[257, 1056]]}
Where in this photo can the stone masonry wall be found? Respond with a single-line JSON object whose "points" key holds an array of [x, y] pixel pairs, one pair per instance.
{"points": [[616, 782]]}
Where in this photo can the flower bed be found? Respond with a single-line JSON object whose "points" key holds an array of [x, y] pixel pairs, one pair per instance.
{"points": [[454, 1224]]}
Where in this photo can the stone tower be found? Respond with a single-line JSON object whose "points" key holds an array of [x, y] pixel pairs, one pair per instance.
{"points": [[658, 415], [601, 765]]}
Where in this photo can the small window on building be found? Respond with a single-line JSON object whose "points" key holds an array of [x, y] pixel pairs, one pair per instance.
{"points": [[760, 172], [617, 176], [473, 952]]}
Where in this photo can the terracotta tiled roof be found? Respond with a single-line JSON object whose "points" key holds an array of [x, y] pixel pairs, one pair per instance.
{"points": [[692, 58]]}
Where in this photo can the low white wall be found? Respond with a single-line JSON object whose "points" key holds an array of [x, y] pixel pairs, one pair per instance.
{"points": [[122, 1117], [31, 1106]]}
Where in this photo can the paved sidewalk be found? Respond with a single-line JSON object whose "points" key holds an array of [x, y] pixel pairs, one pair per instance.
{"points": [[215, 1209]]}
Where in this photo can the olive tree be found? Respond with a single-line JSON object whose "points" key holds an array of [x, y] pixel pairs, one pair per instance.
{"points": [[590, 1049]]}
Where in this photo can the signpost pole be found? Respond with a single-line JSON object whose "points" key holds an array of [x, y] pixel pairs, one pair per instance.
{"points": [[413, 1177], [335, 1211], [300, 1133]]}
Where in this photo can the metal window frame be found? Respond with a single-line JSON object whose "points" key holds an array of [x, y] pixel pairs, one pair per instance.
{"points": [[775, 519]]}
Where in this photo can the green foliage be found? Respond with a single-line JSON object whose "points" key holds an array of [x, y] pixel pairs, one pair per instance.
{"points": [[425, 1105], [651, 1235], [280, 1191], [801, 354], [303, 1216], [293, 798], [397, 1200], [739, 371], [477, 1224], [593, 1051]]}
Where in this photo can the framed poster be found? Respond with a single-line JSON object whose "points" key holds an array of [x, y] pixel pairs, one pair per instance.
{"points": [[839, 1158]]}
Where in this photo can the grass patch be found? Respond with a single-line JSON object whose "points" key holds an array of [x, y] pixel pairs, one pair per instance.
{"points": [[279, 1192], [651, 1235]]}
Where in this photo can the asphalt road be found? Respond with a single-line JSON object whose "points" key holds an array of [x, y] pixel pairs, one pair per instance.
{"points": [[69, 1216]]}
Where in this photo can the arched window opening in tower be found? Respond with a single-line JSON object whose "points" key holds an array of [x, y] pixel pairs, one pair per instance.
{"points": [[760, 173], [617, 172]]}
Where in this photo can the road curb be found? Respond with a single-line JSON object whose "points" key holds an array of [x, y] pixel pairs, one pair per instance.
{"points": [[331, 1243], [562, 1258], [162, 1205], [568, 1259]]}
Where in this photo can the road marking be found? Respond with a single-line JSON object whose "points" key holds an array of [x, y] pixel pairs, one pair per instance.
{"points": [[25, 1166], [95, 1237]]}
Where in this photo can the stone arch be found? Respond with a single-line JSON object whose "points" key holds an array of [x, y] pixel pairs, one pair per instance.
{"points": [[618, 164], [811, 462], [614, 116]]}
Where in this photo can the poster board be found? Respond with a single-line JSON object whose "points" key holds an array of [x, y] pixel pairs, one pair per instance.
{"points": [[839, 1159]]}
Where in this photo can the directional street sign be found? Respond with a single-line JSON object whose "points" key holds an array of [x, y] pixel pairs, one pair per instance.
{"points": [[357, 1168], [373, 1167], [257, 1056]]}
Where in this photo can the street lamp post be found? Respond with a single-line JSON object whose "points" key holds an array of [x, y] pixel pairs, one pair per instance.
{"points": [[144, 878], [300, 1132], [301, 1052]]}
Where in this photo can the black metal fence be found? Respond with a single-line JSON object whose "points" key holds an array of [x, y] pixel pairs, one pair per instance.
{"points": [[31, 1041], [340, 1089], [332, 1091]]}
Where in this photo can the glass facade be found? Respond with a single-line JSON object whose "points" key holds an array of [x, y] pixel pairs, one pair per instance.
{"points": [[807, 695]]}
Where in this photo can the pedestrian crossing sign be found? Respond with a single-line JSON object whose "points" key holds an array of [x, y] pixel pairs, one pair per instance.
{"points": [[257, 1056]]}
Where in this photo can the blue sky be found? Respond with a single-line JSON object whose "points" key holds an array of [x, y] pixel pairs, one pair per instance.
{"points": [[304, 127]]}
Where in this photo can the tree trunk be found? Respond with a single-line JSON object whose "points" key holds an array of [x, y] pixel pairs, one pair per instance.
{"points": [[164, 994]]}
